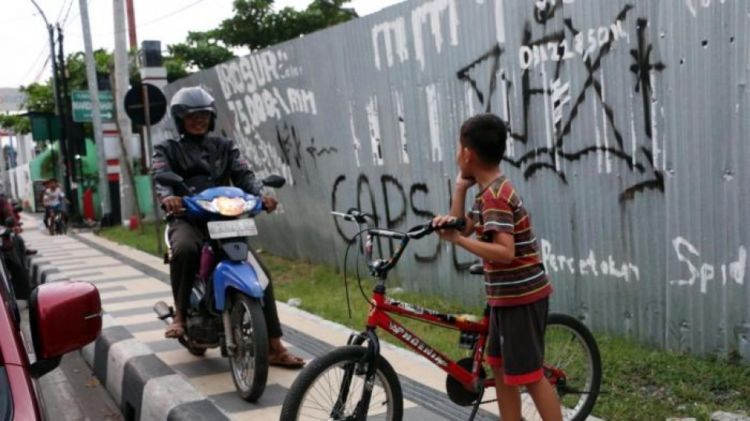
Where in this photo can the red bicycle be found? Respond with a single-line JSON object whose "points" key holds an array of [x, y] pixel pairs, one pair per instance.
{"points": [[355, 382]]}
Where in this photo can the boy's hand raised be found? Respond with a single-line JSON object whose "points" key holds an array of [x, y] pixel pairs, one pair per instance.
{"points": [[464, 183]]}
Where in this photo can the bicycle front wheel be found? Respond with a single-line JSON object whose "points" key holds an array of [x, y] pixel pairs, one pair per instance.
{"points": [[573, 365], [331, 388]]}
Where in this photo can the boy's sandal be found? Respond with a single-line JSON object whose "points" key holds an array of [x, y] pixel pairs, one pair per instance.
{"points": [[286, 360], [175, 331]]}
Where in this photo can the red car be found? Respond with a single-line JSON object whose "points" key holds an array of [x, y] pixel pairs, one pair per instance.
{"points": [[63, 316]]}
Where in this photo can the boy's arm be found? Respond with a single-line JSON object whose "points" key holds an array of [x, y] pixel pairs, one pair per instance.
{"points": [[502, 249], [458, 206]]}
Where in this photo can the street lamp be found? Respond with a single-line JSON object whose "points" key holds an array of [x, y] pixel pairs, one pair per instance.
{"points": [[60, 105], [51, 32]]}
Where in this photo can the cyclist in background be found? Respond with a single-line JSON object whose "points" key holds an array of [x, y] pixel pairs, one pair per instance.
{"points": [[53, 202]]}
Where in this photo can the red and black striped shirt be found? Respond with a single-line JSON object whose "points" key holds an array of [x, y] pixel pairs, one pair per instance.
{"points": [[499, 208]]}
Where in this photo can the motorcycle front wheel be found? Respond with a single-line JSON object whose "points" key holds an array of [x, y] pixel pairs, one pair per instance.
{"points": [[249, 361]]}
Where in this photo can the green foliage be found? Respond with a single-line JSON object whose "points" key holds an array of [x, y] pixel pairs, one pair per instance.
{"points": [[176, 68], [15, 123], [76, 68], [201, 49], [39, 97], [256, 24]]}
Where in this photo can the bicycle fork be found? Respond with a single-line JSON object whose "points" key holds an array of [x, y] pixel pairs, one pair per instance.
{"points": [[367, 367]]}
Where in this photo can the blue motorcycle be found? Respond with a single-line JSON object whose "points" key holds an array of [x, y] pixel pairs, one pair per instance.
{"points": [[226, 300]]}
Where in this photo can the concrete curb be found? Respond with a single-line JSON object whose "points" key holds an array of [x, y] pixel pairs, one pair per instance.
{"points": [[143, 386]]}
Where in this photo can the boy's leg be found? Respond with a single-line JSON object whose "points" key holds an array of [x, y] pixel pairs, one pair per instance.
{"points": [[523, 330], [508, 397], [545, 399]]}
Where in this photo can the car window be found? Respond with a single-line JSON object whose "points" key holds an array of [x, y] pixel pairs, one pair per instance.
{"points": [[6, 400]]}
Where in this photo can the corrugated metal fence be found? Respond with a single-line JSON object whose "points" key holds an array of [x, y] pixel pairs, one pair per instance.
{"points": [[629, 122]]}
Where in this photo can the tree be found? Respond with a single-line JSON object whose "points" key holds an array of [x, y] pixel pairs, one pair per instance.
{"points": [[256, 25], [76, 68], [15, 123], [39, 97], [176, 68], [201, 50]]}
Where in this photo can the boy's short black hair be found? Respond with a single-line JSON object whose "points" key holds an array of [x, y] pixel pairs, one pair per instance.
{"points": [[485, 134]]}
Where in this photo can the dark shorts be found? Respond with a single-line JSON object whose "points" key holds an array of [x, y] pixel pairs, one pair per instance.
{"points": [[516, 341]]}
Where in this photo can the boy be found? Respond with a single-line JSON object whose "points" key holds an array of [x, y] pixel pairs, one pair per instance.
{"points": [[515, 281]]}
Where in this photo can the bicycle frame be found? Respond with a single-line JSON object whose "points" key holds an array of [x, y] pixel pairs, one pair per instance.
{"points": [[379, 317]]}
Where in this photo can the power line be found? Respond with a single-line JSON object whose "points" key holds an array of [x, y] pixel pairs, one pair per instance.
{"points": [[155, 20], [169, 15], [44, 67], [75, 16], [60, 13], [67, 13], [36, 62]]}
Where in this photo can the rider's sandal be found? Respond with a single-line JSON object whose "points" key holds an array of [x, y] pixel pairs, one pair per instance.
{"points": [[175, 331], [286, 360]]}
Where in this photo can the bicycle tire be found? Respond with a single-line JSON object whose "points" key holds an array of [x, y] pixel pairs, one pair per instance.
{"points": [[559, 324], [343, 356]]}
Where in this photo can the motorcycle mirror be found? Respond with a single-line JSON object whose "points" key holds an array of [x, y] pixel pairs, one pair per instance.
{"points": [[275, 181], [169, 179]]}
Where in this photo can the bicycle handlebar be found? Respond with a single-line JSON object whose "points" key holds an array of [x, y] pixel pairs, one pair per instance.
{"points": [[420, 231], [381, 268]]}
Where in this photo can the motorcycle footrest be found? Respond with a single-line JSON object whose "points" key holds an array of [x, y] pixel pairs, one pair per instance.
{"points": [[163, 311]]}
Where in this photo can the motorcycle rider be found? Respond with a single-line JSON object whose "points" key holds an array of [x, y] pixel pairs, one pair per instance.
{"points": [[205, 161]]}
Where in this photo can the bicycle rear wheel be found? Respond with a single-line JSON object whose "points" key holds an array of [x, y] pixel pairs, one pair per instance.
{"points": [[573, 366], [330, 388]]}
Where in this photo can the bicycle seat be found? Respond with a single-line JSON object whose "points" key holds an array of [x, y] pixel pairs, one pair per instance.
{"points": [[476, 269]]}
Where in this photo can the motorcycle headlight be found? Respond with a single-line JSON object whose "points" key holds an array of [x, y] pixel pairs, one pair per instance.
{"points": [[227, 206], [207, 205]]}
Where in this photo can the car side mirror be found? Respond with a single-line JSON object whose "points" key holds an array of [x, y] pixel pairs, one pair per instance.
{"points": [[275, 181], [169, 179], [63, 316]]}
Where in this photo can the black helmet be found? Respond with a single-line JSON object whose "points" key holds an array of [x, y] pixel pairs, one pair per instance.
{"points": [[190, 100]]}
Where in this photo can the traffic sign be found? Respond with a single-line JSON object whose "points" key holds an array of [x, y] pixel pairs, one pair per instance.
{"points": [[82, 106], [134, 104]]}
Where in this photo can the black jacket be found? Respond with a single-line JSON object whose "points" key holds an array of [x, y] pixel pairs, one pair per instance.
{"points": [[203, 162]]}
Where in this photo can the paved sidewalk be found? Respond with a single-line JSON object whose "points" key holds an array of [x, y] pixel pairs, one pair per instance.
{"points": [[130, 282]]}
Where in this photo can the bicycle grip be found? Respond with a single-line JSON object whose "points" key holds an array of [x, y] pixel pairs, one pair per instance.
{"points": [[459, 224]]}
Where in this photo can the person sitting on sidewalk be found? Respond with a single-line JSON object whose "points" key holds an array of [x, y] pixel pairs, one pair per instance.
{"points": [[205, 161]]}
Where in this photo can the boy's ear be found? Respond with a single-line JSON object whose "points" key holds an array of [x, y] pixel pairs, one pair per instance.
{"points": [[471, 155]]}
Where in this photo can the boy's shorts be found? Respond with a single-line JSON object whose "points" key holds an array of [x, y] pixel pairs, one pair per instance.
{"points": [[516, 341]]}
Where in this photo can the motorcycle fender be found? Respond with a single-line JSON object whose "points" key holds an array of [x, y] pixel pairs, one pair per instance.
{"points": [[235, 275]]}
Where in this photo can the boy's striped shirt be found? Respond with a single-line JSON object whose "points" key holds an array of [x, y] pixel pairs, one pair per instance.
{"points": [[499, 208]]}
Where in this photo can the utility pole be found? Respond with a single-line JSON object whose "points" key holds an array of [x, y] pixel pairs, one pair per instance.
{"points": [[96, 114], [64, 120], [132, 38], [51, 32], [127, 190]]}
